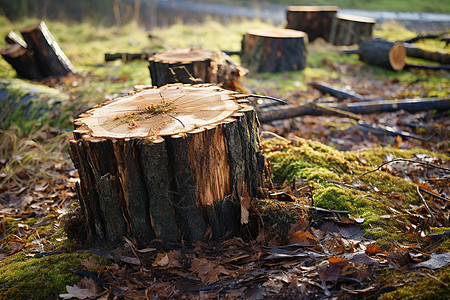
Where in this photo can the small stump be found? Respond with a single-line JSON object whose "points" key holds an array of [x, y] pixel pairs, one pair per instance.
{"points": [[349, 30], [195, 66], [274, 50], [382, 53], [314, 20], [22, 60], [171, 163]]}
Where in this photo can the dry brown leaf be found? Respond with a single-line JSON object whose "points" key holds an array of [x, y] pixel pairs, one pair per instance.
{"points": [[86, 289]]}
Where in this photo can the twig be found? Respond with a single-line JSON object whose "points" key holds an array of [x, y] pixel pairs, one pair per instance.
{"points": [[433, 194], [408, 160], [426, 205], [268, 98]]}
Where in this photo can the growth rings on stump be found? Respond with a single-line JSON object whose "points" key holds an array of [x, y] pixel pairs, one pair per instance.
{"points": [[171, 163]]}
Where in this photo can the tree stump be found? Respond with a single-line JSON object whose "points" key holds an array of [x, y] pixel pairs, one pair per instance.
{"points": [[13, 38], [171, 163], [349, 30], [50, 58], [274, 50], [314, 20], [382, 53], [23, 61], [194, 66]]}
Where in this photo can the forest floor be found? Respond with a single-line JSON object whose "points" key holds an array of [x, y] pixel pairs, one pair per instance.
{"points": [[356, 212]]}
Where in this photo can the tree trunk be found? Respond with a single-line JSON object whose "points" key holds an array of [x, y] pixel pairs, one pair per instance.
{"points": [[383, 53], [274, 50], [23, 61], [196, 66], [171, 163], [314, 20], [349, 30], [51, 59]]}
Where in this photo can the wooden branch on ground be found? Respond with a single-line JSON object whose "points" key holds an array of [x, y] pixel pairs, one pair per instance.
{"points": [[340, 93], [440, 57], [427, 67], [422, 37], [367, 107], [125, 57]]}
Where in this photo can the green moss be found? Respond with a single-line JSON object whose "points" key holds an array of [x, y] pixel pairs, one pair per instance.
{"points": [[418, 285], [40, 278]]}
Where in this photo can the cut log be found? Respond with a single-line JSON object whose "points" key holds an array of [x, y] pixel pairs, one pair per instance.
{"points": [[274, 50], [383, 53], [171, 163], [314, 20], [349, 30], [12, 38], [441, 57], [23, 61], [196, 66], [50, 58]]}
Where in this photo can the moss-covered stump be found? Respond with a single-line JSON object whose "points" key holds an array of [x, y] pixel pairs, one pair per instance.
{"points": [[171, 163], [274, 50]]}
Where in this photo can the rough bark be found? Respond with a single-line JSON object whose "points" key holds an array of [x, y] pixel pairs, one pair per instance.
{"points": [[23, 61], [196, 66], [314, 20], [440, 57], [349, 30], [50, 58], [274, 50], [171, 163], [383, 53]]}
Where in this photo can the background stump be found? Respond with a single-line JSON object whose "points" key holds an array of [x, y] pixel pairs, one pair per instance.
{"points": [[274, 50], [170, 163], [195, 66], [313, 20], [349, 30], [22, 60], [382, 53]]}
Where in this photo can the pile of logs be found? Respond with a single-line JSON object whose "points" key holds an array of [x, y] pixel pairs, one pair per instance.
{"points": [[37, 55]]}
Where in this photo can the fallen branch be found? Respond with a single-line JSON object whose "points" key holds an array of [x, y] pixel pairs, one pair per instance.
{"points": [[406, 160], [422, 37], [440, 57], [427, 67], [427, 207], [127, 56], [434, 195], [340, 93]]}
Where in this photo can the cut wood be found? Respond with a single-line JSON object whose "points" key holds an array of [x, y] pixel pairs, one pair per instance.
{"points": [[340, 93], [171, 163], [349, 30], [274, 50], [200, 66], [23, 61], [12, 38], [50, 58], [383, 53], [366, 107], [441, 57], [314, 20]]}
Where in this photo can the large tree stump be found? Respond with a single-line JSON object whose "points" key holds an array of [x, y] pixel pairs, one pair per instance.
{"points": [[314, 20], [383, 53], [170, 163], [23, 61], [196, 66], [349, 30], [274, 50], [51, 59]]}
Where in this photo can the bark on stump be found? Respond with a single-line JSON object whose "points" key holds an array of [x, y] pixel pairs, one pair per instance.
{"points": [[171, 163], [383, 53], [314, 20], [349, 30], [195, 66], [23, 61], [50, 58], [274, 50]]}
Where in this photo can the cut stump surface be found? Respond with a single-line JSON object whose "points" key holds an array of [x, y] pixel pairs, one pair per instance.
{"points": [[170, 163]]}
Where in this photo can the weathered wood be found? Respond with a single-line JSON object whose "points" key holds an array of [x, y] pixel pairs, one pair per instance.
{"points": [[366, 107], [349, 30], [383, 53], [50, 58], [314, 20], [274, 50], [23, 61], [196, 66], [171, 163], [12, 38], [441, 57], [340, 93]]}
